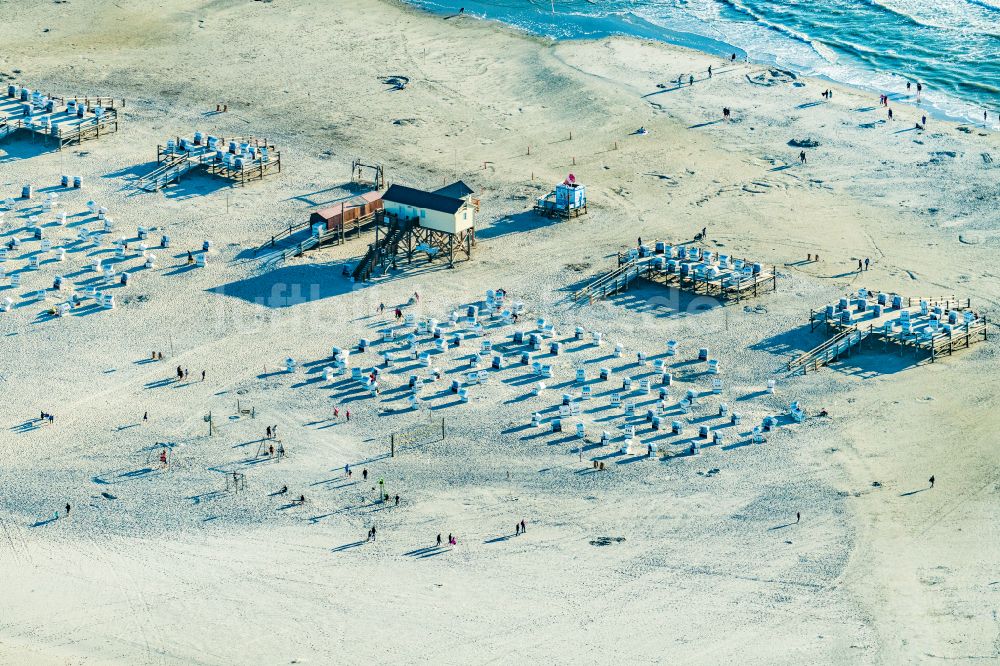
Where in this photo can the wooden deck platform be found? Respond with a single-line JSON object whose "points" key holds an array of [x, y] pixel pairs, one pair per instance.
{"points": [[934, 327], [710, 274], [253, 159], [49, 118], [729, 285]]}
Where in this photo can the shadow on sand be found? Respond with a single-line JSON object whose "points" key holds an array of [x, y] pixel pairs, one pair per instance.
{"points": [[287, 286]]}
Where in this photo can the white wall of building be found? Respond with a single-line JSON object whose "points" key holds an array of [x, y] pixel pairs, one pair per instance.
{"points": [[433, 219]]}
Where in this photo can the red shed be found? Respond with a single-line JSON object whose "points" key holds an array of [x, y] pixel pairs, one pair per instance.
{"points": [[348, 214]]}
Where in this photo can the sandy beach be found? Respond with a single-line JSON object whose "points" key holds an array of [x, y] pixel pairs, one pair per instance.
{"points": [[689, 559]]}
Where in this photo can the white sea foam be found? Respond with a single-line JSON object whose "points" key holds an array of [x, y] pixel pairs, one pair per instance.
{"points": [[949, 45]]}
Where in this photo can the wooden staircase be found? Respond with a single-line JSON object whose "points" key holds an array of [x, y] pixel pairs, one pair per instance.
{"points": [[380, 254], [614, 282], [829, 351], [167, 173], [8, 127]]}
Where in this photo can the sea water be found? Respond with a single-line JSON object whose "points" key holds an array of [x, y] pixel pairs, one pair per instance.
{"points": [[951, 46]]}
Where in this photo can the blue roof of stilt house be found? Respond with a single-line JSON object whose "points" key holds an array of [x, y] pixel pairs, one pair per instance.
{"points": [[457, 190], [409, 196]]}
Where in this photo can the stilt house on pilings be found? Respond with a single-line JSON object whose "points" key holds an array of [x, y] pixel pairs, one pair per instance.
{"points": [[437, 224]]}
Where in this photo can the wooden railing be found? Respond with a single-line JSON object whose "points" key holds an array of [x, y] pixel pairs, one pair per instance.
{"points": [[851, 336], [613, 282], [166, 173], [284, 233]]}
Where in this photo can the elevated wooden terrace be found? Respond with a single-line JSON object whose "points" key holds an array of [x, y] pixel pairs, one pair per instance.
{"points": [[934, 327]]}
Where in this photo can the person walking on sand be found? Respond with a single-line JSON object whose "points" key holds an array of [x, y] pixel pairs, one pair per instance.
{"points": [[439, 541], [381, 308], [67, 509], [523, 528], [802, 157], [923, 121], [180, 373], [202, 375], [145, 416], [890, 114], [860, 265], [348, 414], [930, 479], [691, 80], [866, 263], [798, 517], [364, 474], [267, 431], [517, 529], [709, 71]]}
